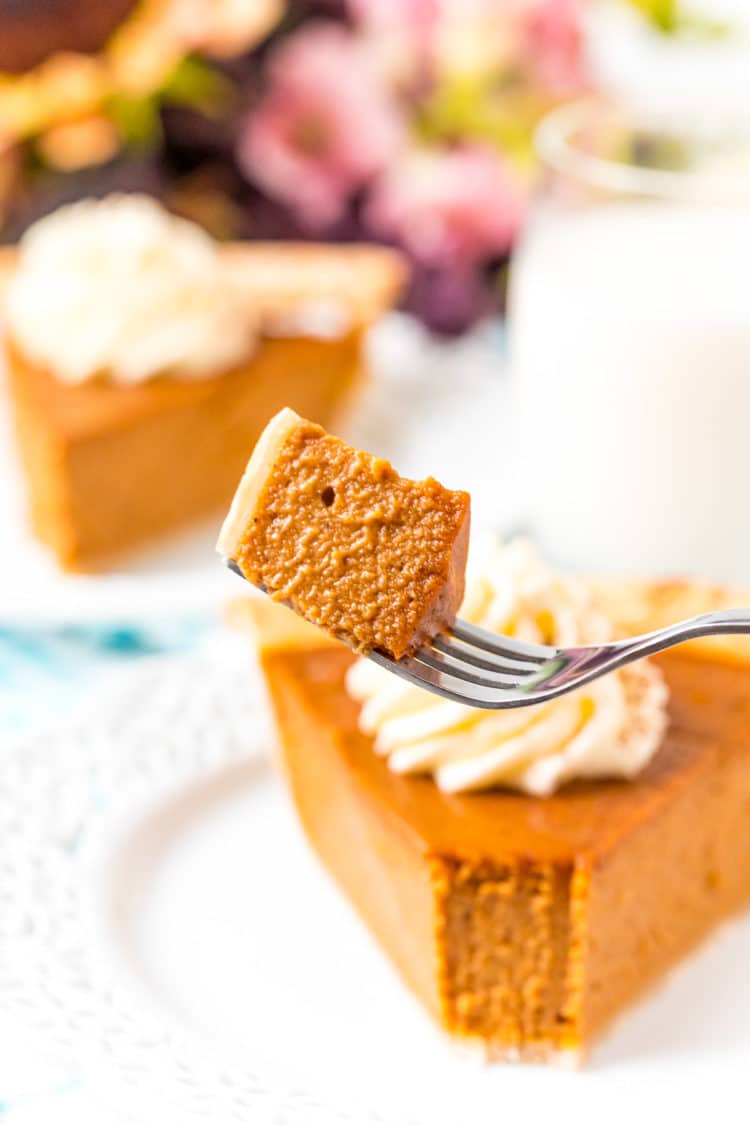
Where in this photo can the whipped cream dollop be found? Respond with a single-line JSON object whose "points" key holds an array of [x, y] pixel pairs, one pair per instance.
{"points": [[121, 287], [610, 728]]}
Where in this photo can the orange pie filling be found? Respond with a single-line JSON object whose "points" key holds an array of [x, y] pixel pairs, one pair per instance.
{"points": [[525, 923], [530, 873], [337, 534]]}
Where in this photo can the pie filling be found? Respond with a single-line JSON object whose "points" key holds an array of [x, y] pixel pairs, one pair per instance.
{"points": [[339, 536], [525, 922], [531, 872], [144, 360]]}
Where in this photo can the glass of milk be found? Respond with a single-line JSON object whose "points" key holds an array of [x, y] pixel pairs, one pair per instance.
{"points": [[630, 345]]}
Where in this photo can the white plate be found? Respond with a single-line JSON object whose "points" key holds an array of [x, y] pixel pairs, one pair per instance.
{"points": [[163, 919], [431, 408]]}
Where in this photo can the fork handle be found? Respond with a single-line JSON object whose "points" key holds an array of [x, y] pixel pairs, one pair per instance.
{"points": [[718, 623], [578, 666], [591, 661]]}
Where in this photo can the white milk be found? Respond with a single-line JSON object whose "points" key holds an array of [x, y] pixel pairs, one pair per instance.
{"points": [[630, 351]]}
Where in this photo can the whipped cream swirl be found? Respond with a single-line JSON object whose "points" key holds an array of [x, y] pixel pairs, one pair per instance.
{"points": [[122, 288], [610, 728]]}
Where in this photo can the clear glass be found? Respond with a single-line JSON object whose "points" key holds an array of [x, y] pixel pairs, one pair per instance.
{"points": [[630, 344]]}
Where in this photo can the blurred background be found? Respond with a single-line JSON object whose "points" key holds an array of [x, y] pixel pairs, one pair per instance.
{"points": [[404, 121], [568, 182], [412, 123]]}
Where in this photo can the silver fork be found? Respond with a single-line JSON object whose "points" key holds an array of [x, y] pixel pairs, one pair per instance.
{"points": [[470, 665]]}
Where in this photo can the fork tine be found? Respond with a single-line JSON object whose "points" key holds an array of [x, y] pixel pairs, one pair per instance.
{"points": [[469, 692], [501, 645], [445, 661], [479, 658]]}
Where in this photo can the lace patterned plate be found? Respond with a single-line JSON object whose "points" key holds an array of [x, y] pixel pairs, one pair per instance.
{"points": [[163, 923]]}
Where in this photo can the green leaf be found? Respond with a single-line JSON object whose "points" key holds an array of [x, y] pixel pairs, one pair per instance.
{"points": [[137, 119], [661, 13], [667, 16], [194, 83]]}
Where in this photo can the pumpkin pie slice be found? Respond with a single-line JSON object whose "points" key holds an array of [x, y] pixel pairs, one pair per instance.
{"points": [[139, 384], [373, 558], [524, 922]]}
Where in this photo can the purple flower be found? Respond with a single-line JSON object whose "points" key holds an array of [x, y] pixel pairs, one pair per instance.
{"points": [[324, 128], [450, 299], [461, 205]]}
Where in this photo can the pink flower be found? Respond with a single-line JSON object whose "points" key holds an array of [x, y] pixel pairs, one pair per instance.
{"points": [[325, 126], [410, 15], [399, 34], [553, 45], [461, 205]]}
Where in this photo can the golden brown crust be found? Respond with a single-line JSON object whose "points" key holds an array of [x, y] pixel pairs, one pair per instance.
{"points": [[633, 605], [274, 627], [641, 605], [284, 277]]}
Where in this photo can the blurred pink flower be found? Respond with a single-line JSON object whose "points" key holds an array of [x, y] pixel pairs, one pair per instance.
{"points": [[553, 44], [413, 15], [460, 205], [325, 126], [399, 34]]}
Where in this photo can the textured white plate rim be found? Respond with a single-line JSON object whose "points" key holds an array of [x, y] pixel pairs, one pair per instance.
{"points": [[61, 972]]}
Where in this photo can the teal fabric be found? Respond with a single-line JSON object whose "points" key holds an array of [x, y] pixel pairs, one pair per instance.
{"points": [[45, 674]]}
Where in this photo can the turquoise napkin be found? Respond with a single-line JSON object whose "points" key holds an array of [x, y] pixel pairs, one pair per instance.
{"points": [[47, 673]]}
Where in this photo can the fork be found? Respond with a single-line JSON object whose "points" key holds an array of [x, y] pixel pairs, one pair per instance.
{"points": [[473, 666]]}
